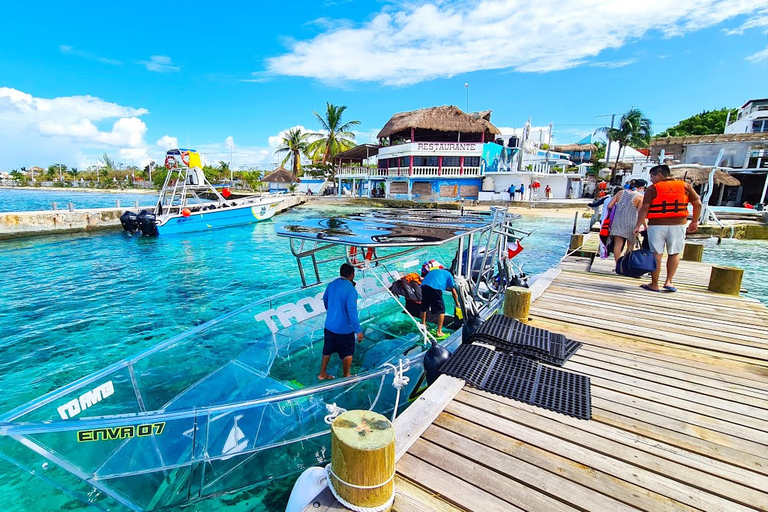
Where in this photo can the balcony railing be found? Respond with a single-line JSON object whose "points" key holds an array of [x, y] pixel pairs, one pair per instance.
{"points": [[417, 172]]}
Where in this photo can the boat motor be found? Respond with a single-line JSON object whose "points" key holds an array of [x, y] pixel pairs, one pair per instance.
{"points": [[433, 360], [129, 222], [146, 221]]}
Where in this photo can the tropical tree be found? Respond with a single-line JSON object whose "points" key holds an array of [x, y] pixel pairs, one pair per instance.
{"points": [[336, 136], [295, 142], [709, 122], [634, 129]]}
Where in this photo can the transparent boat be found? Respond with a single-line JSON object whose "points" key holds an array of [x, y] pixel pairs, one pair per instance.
{"points": [[236, 401]]}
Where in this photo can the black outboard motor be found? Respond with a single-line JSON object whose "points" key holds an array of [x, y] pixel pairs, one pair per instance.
{"points": [[471, 324], [129, 222], [146, 221], [433, 360]]}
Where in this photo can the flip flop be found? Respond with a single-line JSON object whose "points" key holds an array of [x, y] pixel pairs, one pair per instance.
{"points": [[647, 287], [670, 288], [445, 335], [327, 377]]}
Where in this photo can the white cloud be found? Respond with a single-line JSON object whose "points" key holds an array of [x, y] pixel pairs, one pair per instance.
{"points": [[71, 50], [167, 142], [760, 56], [614, 64], [759, 20], [37, 131], [159, 64], [447, 38]]}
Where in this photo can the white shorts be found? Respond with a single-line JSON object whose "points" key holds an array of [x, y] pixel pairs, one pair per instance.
{"points": [[671, 236]]}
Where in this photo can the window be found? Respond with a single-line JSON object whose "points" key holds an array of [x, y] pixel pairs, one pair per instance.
{"points": [[450, 161], [383, 163], [393, 162], [419, 161], [405, 161], [398, 187], [760, 126], [471, 161], [432, 161]]}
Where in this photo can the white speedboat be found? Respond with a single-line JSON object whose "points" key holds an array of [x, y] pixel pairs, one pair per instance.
{"points": [[188, 202]]}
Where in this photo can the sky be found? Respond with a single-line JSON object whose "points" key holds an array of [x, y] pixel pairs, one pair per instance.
{"points": [[81, 79]]}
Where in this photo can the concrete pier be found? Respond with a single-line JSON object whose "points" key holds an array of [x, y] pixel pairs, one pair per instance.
{"points": [[24, 224]]}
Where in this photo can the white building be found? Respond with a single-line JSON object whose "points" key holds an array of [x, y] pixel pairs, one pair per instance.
{"points": [[752, 117]]}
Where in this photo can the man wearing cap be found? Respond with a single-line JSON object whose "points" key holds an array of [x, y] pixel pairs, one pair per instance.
{"points": [[436, 279]]}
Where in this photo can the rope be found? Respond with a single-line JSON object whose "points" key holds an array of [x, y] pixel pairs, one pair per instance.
{"points": [[384, 506], [333, 412], [399, 381]]}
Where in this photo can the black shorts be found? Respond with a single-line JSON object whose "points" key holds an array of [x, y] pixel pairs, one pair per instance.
{"points": [[342, 344], [432, 300]]}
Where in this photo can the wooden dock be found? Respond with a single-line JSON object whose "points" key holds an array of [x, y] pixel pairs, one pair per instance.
{"points": [[679, 409]]}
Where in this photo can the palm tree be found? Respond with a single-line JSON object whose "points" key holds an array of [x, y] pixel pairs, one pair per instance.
{"points": [[634, 129], [295, 143], [337, 137]]}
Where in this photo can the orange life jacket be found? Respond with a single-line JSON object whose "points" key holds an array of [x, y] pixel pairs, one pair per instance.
{"points": [[670, 201]]}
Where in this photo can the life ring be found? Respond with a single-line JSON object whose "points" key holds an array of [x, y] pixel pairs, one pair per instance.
{"points": [[352, 256]]}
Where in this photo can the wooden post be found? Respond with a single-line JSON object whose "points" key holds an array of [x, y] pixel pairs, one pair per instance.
{"points": [[517, 303], [577, 240], [363, 454], [693, 252], [725, 280]]}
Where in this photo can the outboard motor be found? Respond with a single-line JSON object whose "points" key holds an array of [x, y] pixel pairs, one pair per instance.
{"points": [[433, 360], [146, 221], [129, 222], [477, 262], [471, 324]]}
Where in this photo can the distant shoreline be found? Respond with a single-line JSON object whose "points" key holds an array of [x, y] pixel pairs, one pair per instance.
{"points": [[87, 190]]}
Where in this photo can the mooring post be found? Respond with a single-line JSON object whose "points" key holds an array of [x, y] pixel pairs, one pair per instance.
{"points": [[117, 203], [71, 206], [577, 240], [725, 280], [693, 252], [136, 204], [517, 303], [54, 205], [363, 459]]}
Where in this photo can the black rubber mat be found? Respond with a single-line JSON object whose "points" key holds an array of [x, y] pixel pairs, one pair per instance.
{"points": [[521, 378], [564, 392], [469, 362]]}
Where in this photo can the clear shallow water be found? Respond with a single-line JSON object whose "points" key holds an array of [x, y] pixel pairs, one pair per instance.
{"points": [[70, 305], [751, 255], [17, 200]]}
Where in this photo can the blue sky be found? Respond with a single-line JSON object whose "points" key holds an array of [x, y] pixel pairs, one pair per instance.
{"points": [[80, 79]]}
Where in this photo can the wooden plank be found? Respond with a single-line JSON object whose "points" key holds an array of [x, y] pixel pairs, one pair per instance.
{"points": [[543, 282], [491, 434], [653, 473], [679, 433], [486, 478], [669, 399], [452, 488], [534, 482], [410, 497], [415, 420], [652, 446], [665, 372]]}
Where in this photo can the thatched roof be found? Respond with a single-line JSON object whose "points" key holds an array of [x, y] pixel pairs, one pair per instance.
{"points": [[279, 175], [562, 148], [710, 139], [356, 153], [623, 166], [696, 175], [442, 119]]}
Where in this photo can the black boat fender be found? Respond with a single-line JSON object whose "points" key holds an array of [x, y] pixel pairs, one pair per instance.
{"points": [[471, 324], [433, 360]]}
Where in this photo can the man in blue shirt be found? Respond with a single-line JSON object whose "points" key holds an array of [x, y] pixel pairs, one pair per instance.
{"points": [[341, 322], [435, 281], [511, 191]]}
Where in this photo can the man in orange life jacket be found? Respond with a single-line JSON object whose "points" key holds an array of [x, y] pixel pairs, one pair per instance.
{"points": [[665, 205]]}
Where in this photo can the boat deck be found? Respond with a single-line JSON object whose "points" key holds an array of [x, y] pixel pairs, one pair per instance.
{"points": [[679, 409]]}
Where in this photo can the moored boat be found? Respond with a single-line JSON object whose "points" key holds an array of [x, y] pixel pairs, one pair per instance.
{"points": [[236, 401], [188, 202]]}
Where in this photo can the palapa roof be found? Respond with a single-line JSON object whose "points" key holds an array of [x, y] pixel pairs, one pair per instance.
{"points": [[360, 152], [710, 139], [279, 175], [698, 174], [443, 119], [562, 148]]}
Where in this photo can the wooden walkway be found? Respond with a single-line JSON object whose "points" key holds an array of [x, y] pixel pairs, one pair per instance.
{"points": [[679, 410]]}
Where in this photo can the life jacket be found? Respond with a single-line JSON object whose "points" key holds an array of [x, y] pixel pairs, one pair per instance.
{"points": [[670, 201]]}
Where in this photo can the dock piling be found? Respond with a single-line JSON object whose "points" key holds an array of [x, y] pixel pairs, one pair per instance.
{"points": [[725, 280], [54, 206], [363, 459], [693, 252], [517, 303], [117, 203], [577, 240], [71, 206], [136, 204]]}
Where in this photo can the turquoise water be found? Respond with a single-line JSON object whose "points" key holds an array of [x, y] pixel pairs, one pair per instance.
{"points": [[72, 304], [751, 255], [17, 200]]}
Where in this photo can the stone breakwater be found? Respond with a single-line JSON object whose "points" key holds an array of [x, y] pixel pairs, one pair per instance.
{"points": [[23, 224]]}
